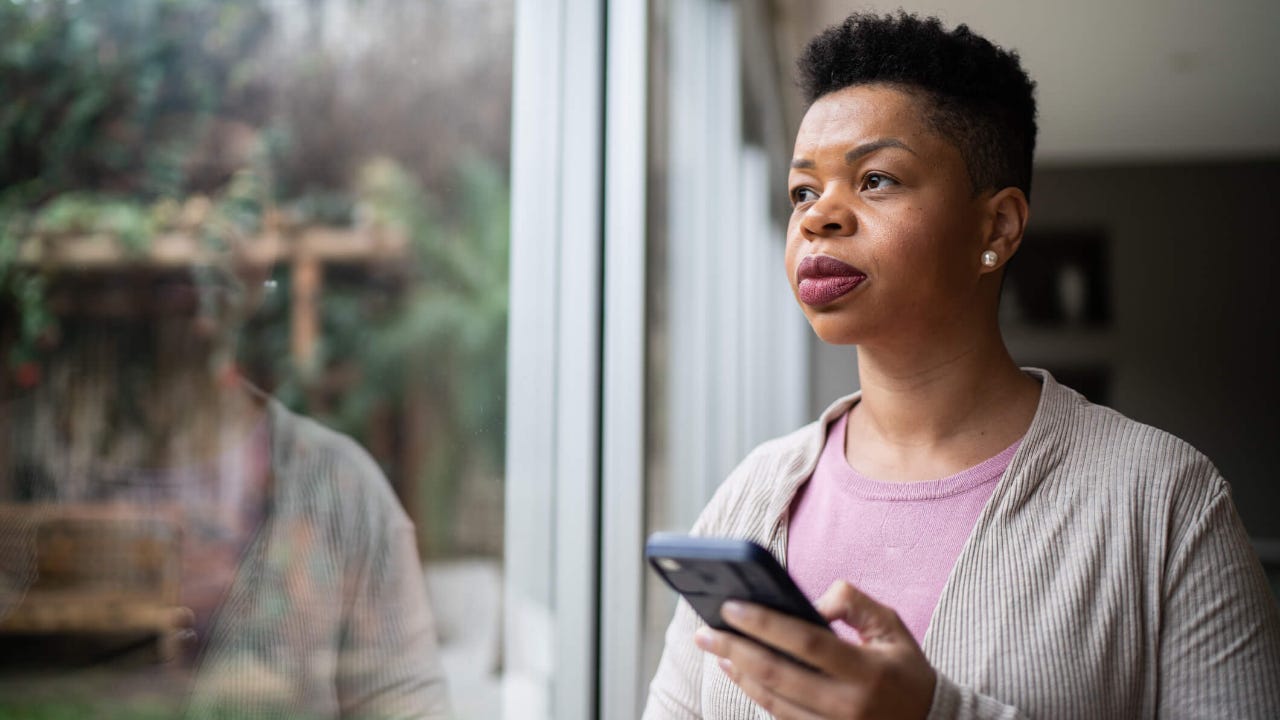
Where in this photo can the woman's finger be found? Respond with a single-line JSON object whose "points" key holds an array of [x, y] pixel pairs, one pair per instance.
{"points": [[873, 621], [817, 646], [770, 701], [782, 677]]}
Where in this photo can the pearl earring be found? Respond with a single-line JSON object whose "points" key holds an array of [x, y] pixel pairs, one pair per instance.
{"points": [[989, 258]]}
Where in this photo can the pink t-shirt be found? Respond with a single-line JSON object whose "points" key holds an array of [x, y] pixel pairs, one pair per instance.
{"points": [[897, 542]]}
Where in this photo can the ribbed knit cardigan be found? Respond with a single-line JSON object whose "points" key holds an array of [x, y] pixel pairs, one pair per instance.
{"points": [[328, 614], [1109, 576]]}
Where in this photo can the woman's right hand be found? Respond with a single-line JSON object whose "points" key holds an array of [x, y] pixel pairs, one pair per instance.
{"points": [[884, 676]]}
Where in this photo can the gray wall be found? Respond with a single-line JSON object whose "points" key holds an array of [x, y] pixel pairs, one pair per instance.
{"points": [[1193, 343]]}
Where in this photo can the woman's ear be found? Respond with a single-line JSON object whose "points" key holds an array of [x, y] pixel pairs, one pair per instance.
{"points": [[1008, 211]]}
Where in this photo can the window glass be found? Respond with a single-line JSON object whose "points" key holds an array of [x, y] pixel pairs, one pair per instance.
{"points": [[253, 315], [727, 351]]}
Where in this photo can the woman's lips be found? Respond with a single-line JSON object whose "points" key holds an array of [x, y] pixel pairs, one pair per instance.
{"points": [[822, 279]]}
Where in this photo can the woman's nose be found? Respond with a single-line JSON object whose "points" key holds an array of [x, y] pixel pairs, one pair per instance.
{"points": [[828, 217]]}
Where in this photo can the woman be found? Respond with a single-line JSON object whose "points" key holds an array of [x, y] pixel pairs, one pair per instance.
{"points": [[985, 542], [290, 566]]}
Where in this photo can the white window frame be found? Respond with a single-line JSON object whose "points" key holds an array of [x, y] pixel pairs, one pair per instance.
{"points": [[553, 407], [575, 485]]}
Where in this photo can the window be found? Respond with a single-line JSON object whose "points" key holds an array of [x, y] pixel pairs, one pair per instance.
{"points": [[253, 354], [323, 320], [727, 357]]}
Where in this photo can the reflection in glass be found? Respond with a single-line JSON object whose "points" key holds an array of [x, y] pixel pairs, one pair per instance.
{"points": [[252, 322]]}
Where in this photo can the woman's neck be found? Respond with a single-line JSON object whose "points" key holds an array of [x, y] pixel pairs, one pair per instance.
{"points": [[926, 415]]}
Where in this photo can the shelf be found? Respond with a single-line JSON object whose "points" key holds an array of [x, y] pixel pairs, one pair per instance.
{"points": [[179, 249]]}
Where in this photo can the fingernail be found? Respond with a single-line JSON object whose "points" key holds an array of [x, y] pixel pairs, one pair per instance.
{"points": [[733, 610], [726, 665], [703, 639]]}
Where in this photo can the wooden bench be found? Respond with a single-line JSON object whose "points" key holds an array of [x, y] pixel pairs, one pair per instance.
{"points": [[102, 569]]}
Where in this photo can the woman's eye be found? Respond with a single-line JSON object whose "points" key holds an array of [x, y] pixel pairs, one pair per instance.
{"points": [[803, 195], [875, 181]]}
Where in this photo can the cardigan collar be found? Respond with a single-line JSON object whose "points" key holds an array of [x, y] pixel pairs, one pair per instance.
{"points": [[1052, 414]]}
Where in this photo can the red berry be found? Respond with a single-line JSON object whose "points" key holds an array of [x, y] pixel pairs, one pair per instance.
{"points": [[27, 374]]}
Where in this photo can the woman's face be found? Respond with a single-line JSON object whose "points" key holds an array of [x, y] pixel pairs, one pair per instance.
{"points": [[885, 238]]}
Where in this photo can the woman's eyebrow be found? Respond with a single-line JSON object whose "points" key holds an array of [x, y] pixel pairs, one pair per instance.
{"points": [[865, 149], [857, 153]]}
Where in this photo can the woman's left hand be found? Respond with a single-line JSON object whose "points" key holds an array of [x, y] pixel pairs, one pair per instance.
{"points": [[886, 676]]}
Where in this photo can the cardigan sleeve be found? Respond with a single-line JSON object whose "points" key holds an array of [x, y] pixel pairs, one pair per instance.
{"points": [[676, 690], [952, 701], [1220, 634], [739, 508], [388, 664]]}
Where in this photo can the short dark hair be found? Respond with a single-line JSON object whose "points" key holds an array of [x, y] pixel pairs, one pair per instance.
{"points": [[980, 97]]}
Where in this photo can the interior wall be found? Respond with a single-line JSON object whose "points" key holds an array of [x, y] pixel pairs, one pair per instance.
{"points": [[1192, 344]]}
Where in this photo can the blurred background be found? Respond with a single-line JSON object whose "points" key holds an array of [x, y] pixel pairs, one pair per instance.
{"points": [[358, 152], [528, 254]]}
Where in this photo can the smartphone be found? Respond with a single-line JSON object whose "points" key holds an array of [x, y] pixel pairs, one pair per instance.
{"points": [[708, 571]]}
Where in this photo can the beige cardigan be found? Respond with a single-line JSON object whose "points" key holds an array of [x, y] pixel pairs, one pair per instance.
{"points": [[1108, 576], [328, 614]]}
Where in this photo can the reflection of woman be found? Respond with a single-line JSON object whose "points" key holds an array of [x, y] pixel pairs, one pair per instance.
{"points": [[298, 569], [986, 542], [326, 615]]}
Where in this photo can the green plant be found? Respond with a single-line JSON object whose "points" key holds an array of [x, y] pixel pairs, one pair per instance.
{"points": [[117, 97], [437, 340], [106, 112], [120, 117]]}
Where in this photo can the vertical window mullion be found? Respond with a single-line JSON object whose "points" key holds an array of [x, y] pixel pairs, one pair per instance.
{"points": [[623, 427], [552, 490]]}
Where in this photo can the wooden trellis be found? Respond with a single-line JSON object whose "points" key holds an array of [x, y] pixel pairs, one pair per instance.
{"points": [[306, 251]]}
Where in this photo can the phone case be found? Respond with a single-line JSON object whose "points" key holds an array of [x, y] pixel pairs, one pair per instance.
{"points": [[709, 571]]}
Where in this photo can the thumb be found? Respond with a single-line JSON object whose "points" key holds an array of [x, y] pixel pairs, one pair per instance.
{"points": [[873, 621]]}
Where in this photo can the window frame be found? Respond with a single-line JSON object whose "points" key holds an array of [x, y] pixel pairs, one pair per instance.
{"points": [[579, 414]]}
